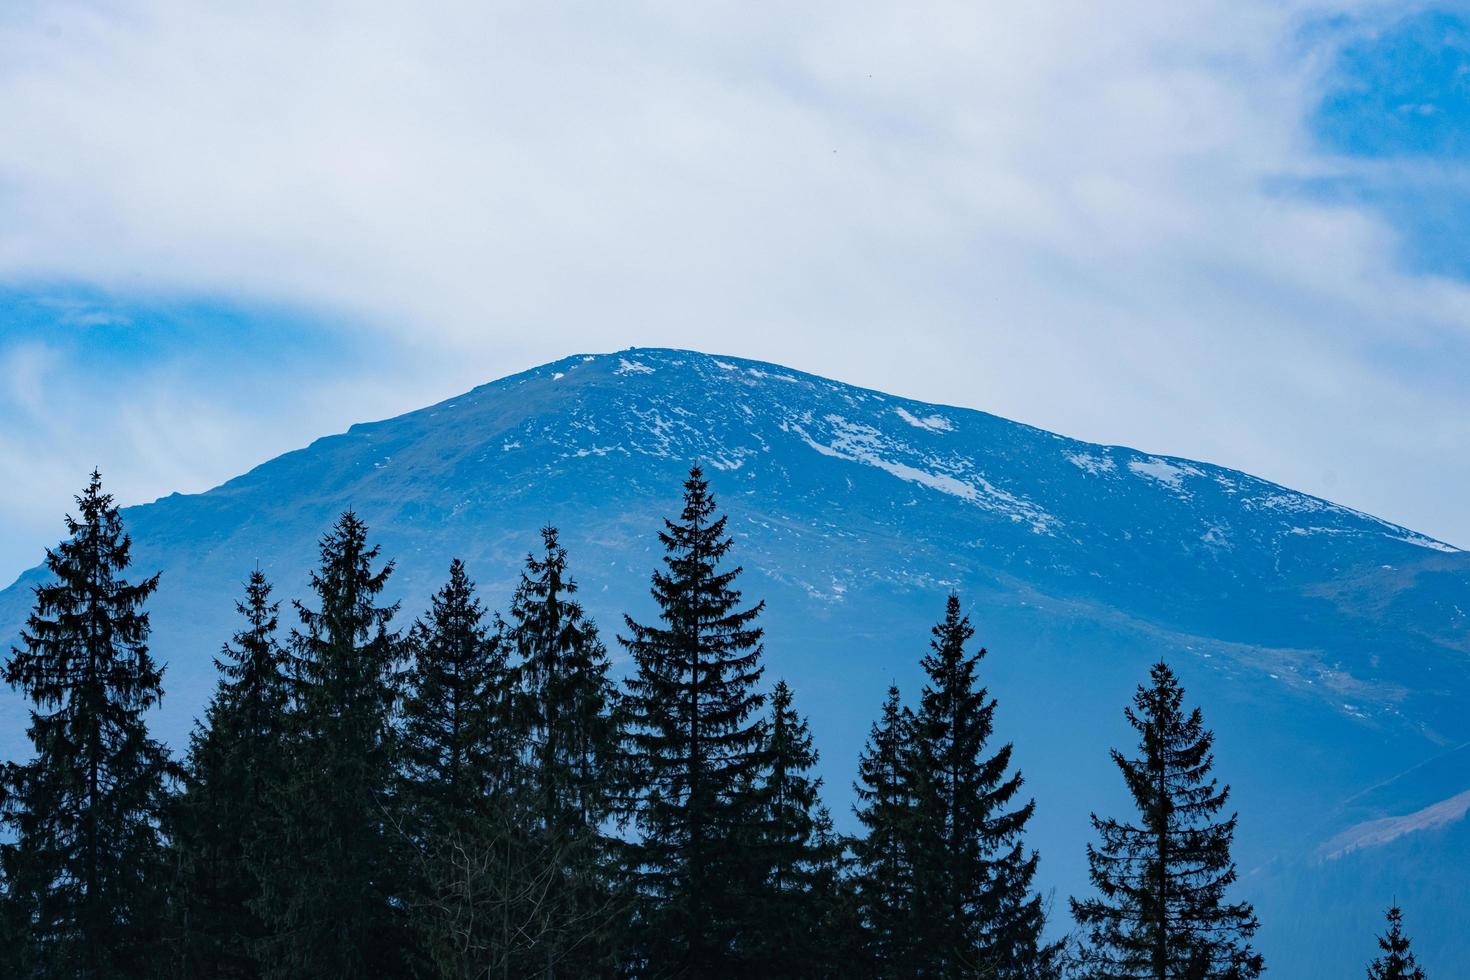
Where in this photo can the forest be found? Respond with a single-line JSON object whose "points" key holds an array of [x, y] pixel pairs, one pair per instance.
{"points": [[476, 794]]}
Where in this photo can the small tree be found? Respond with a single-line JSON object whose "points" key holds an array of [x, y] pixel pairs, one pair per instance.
{"points": [[1161, 909], [85, 868], [790, 852], [1397, 961], [884, 853]]}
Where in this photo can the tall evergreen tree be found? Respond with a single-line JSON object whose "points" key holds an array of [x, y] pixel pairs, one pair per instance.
{"points": [[697, 740], [1161, 910], [792, 853], [566, 705], [236, 765], [458, 742], [977, 913], [884, 853], [85, 862], [1397, 961], [329, 878], [461, 803]]}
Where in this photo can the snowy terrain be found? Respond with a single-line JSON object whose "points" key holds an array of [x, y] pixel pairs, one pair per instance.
{"points": [[1330, 649]]}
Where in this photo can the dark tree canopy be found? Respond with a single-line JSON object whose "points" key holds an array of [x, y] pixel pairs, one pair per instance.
{"points": [[885, 852], [458, 746], [330, 879], [566, 708], [236, 767], [976, 911], [1397, 961], [1162, 909], [696, 739], [85, 867]]}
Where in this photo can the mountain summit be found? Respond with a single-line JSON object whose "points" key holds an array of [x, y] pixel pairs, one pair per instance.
{"points": [[1331, 649]]}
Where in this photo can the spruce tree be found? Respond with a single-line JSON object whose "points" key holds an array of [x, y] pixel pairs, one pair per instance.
{"points": [[884, 853], [329, 877], [566, 706], [85, 861], [236, 766], [1397, 961], [458, 744], [1161, 909], [977, 913], [697, 741], [462, 802], [792, 852]]}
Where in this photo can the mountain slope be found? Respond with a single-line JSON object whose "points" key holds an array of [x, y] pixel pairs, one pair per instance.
{"points": [[1330, 649]]}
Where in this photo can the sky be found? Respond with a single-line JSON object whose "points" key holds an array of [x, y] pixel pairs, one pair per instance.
{"points": [[1236, 231]]}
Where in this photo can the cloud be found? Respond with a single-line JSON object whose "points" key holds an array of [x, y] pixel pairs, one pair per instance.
{"points": [[1090, 217]]}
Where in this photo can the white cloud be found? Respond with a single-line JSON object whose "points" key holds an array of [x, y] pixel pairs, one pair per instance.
{"points": [[1061, 211]]}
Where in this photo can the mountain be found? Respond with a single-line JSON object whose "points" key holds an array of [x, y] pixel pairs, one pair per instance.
{"points": [[1329, 649]]}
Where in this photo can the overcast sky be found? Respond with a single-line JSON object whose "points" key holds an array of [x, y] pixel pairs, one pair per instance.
{"points": [[1237, 231]]}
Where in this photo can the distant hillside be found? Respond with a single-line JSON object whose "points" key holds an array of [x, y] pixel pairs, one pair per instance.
{"points": [[1330, 649]]}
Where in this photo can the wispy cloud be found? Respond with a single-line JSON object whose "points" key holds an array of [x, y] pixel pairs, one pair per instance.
{"points": [[1106, 219]]}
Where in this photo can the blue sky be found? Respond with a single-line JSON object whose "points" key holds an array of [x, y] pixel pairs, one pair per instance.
{"points": [[1232, 231]]}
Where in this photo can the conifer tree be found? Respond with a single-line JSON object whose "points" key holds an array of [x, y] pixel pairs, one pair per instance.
{"points": [[458, 744], [977, 913], [329, 878], [236, 765], [1397, 961], [1161, 909], [884, 853], [566, 705], [84, 864], [461, 804], [792, 852], [697, 741], [838, 951]]}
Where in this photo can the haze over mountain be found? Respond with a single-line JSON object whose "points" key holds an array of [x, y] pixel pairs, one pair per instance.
{"points": [[1329, 649]]}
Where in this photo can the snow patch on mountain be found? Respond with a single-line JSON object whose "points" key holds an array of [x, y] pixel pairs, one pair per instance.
{"points": [[1170, 474], [1376, 833], [859, 442], [1095, 465], [933, 423]]}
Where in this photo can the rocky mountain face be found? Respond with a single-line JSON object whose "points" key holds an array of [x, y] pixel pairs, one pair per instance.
{"points": [[1329, 649]]}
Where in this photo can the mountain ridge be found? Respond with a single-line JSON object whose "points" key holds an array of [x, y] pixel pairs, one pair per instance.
{"points": [[1309, 631]]}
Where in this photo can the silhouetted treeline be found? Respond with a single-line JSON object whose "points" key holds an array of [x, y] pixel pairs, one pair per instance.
{"points": [[471, 796]]}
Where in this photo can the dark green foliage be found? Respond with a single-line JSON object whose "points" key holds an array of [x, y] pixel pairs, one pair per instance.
{"points": [[884, 854], [793, 854], [85, 867], [332, 874], [977, 914], [1397, 961], [237, 765], [1161, 909], [697, 742], [566, 706], [458, 744]]}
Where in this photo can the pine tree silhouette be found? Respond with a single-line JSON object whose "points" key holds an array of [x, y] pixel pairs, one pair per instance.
{"points": [[85, 866], [1161, 909], [1397, 961], [885, 853], [696, 740], [330, 880], [977, 913], [567, 707], [236, 768]]}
